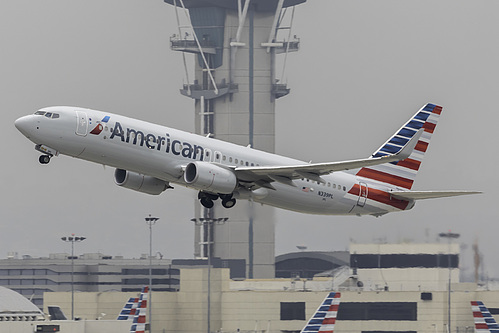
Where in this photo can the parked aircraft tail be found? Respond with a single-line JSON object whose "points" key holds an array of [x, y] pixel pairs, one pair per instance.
{"points": [[129, 310], [484, 322], [135, 310], [139, 321], [324, 318], [403, 173]]}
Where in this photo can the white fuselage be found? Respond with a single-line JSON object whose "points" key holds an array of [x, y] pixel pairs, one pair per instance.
{"points": [[163, 153]]}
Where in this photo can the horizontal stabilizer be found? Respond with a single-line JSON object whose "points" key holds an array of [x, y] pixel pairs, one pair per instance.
{"points": [[420, 195]]}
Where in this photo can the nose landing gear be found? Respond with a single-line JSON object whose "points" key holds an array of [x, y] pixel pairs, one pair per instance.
{"points": [[47, 153], [44, 159]]}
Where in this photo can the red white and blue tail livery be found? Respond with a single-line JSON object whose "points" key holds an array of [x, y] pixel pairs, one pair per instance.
{"points": [[130, 309], [484, 322], [402, 173], [139, 321], [135, 310], [149, 157], [324, 318]]}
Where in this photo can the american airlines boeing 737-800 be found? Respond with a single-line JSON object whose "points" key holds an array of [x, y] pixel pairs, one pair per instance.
{"points": [[149, 157]]}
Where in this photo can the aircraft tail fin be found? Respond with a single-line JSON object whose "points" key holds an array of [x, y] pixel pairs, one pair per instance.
{"points": [[129, 310], [56, 313], [139, 320], [324, 318], [484, 322], [403, 173]]}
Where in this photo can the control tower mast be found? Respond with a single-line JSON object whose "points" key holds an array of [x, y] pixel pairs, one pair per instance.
{"points": [[235, 85]]}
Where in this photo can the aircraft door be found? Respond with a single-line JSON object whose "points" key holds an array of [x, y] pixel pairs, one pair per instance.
{"points": [[81, 123], [362, 194]]}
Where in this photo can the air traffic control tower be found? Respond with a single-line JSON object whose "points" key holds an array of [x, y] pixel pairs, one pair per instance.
{"points": [[235, 86]]}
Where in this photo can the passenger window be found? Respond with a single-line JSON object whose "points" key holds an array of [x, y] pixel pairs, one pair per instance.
{"points": [[242, 163], [328, 184], [334, 185], [236, 160], [230, 159], [224, 157], [252, 164], [247, 164], [344, 188]]}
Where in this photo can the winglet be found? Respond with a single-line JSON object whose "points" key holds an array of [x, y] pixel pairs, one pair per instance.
{"points": [[407, 150]]}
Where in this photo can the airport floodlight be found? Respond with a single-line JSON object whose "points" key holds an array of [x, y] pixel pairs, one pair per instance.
{"points": [[450, 236], [72, 239], [207, 223], [150, 221]]}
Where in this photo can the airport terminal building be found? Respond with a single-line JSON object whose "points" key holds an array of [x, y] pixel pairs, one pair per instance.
{"points": [[384, 288]]}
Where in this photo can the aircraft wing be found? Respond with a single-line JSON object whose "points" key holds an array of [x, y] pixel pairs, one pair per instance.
{"points": [[313, 171], [420, 195]]}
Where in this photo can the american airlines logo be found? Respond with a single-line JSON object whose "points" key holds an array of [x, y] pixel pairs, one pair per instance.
{"points": [[158, 142], [98, 129]]}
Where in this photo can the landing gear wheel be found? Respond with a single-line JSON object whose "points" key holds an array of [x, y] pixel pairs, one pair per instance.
{"points": [[44, 159], [207, 202], [211, 196], [229, 203]]}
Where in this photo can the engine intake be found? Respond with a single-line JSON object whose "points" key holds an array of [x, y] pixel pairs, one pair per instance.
{"points": [[140, 183], [205, 176]]}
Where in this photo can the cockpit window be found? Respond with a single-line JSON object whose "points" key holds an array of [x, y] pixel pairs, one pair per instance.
{"points": [[47, 114]]}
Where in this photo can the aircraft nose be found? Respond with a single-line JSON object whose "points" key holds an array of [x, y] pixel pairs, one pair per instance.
{"points": [[23, 125]]}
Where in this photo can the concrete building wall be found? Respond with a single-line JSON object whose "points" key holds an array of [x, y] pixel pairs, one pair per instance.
{"points": [[406, 266], [246, 310], [87, 326], [32, 277]]}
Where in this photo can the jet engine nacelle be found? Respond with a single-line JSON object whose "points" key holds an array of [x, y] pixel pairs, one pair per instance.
{"points": [[208, 177], [140, 183]]}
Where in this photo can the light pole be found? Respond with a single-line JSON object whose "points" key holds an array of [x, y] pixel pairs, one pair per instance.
{"points": [[150, 221], [72, 239], [450, 236], [207, 223]]}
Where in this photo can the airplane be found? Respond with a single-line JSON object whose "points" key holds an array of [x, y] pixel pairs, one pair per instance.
{"points": [[149, 157], [324, 318], [130, 309], [135, 310], [484, 322]]}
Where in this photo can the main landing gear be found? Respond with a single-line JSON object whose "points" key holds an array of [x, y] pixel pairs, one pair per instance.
{"points": [[44, 159], [207, 199]]}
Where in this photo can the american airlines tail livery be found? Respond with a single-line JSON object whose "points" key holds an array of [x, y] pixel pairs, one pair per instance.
{"points": [[149, 157], [484, 321], [324, 318], [135, 311]]}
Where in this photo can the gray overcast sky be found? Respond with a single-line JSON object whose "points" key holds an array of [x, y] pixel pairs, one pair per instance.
{"points": [[364, 67]]}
